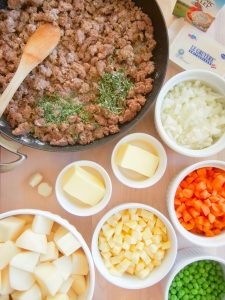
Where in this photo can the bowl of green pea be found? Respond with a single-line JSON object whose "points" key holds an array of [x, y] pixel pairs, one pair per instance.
{"points": [[196, 276]]}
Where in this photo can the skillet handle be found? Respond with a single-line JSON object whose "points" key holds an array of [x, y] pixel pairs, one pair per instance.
{"points": [[14, 148]]}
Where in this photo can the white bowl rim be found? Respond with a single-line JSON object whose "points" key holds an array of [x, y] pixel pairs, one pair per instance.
{"points": [[162, 162], [94, 245], [71, 228], [178, 78], [90, 211], [184, 263], [198, 240]]}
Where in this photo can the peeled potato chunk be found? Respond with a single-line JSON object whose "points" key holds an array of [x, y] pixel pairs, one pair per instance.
{"points": [[66, 285], [20, 280], [72, 295], [6, 288], [42, 225], [51, 254], [25, 261], [79, 263], [7, 251], [34, 293], [64, 266], [10, 228], [59, 296], [79, 284], [32, 241], [44, 189], [49, 277]]}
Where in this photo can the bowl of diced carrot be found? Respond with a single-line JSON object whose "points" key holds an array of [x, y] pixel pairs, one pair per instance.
{"points": [[196, 203]]}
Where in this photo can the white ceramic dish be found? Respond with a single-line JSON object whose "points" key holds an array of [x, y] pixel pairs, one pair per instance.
{"points": [[184, 258], [140, 182], [211, 79], [132, 282], [91, 280], [216, 241], [77, 208]]}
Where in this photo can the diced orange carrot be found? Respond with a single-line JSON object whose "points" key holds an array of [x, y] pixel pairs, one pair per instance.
{"points": [[188, 226], [197, 205], [208, 202], [212, 218], [181, 208], [184, 184], [193, 212], [201, 186], [201, 172], [205, 209], [186, 216], [187, 193], [199, 220], [204, 194]]}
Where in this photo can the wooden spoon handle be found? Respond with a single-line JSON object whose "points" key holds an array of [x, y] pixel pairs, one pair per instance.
{"points": [[22, 71]]}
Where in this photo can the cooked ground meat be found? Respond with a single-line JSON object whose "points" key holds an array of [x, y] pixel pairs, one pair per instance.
{"points": [[98, 39]]}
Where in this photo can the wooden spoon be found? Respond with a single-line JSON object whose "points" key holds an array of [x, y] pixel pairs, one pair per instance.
{"points": [[38, 47]]}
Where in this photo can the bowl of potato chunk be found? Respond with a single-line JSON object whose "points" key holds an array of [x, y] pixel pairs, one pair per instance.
{"points": [[42, 256], [134, 246]]}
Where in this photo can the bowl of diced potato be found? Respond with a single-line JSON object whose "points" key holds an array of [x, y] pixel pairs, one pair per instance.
{"points": [[134, 246], [43, 256]]}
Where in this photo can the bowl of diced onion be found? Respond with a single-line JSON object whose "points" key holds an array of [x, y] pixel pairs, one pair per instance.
{"points": [[134, 246], [43, 256], [190, 113]]}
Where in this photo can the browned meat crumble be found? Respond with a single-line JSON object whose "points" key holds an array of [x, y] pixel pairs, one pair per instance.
{"points": [[97, 37]]}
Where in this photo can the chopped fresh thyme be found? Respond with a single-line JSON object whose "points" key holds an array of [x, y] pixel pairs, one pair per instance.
{"points": [[57, 109], [113, 89]]}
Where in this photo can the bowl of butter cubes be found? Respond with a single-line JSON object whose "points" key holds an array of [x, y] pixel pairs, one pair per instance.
{"points": [[42, 256], [134, 246]]}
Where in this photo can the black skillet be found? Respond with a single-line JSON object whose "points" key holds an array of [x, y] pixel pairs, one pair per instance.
{"points": [[152, 9]]}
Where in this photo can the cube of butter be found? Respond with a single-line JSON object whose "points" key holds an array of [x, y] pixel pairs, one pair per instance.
{"points": [[137, 159], [85, 187]]}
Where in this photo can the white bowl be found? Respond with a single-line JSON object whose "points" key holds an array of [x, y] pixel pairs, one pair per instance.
{"points": [[199, 240], [128, 281], [184, 258], [211, 79], [138, 182], [91, 280], [78, 208]]}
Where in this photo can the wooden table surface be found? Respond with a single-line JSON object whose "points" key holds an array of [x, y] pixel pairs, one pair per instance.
{"points": [[15, 192]]}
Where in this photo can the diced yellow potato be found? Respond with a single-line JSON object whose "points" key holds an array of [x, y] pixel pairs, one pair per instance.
{"points": [[131, 224], [128, 254], [51, 254], [147, 234], [25, 261], [127, 239], [64, 266], [140, 266], [117, 216], [156, 262], [79, 263], [32, 241], [34, 293], [118, 228], [111, 243], [112, 222], [79, 284], [125, 219], [156, 239], [147, 214], [157, 230], [153, 248], [10, 228], [106, 255], [126, 246], [48, 277], [20, 280], [136, 257], [145, 257], [159, 223], [104, 246], [126, 229], [35, 179], [166, 245], [159, 254], [142, 223], [116, 249], [143, 273], [118, 239], [108, 230], [123, 265], [42, 225], [131, 269], [5, 288], [28, 219], [107, 263], [65, 287], [7, 251], [140, 246], [50, 237]]}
